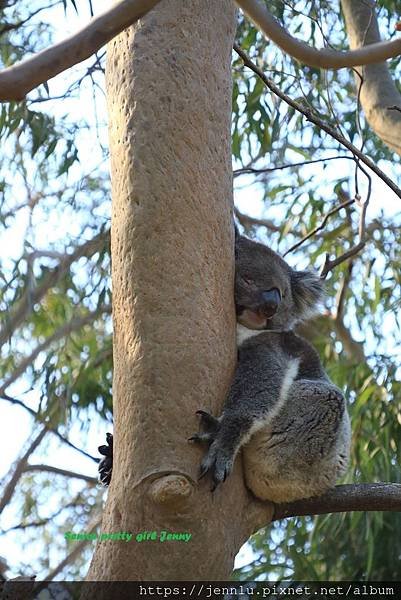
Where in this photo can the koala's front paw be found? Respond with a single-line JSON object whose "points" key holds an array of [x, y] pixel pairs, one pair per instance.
{"points": [[105, 466], [219, 462]]}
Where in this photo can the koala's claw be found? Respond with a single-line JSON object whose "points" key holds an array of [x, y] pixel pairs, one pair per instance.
{"points": [[208, 421], [202, 472], [219, 463], [105, 466], [209, 425], [201, 437]]}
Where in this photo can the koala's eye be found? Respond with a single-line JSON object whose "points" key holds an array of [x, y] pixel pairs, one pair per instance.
{"points": [[247, 280]]}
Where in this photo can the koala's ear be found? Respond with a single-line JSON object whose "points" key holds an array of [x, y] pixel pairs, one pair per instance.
{"points": [[307, 291]]}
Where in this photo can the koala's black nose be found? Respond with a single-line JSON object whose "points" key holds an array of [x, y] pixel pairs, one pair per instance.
{"points": [[271, 300]]}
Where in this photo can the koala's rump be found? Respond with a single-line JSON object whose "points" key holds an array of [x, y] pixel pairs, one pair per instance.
{"points": [[304, 449]]}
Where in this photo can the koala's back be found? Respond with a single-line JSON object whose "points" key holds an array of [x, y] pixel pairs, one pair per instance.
{"points": [[303, 449]]}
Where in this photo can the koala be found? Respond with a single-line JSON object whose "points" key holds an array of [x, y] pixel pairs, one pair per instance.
{"points": [[282, 410]]}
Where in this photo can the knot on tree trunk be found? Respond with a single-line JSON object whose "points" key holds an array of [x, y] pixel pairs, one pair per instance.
{"points": [[171, 490]]}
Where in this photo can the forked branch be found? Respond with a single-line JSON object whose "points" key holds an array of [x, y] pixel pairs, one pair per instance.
{"points": [[326, 58], [19, 469], [329, 264]]}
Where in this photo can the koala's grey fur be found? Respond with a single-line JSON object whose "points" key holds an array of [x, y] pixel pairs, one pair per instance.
{"points": [[282, 409]]}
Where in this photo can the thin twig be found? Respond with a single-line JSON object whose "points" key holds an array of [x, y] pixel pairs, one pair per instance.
{"points": [[250, 170], [13, 26], [76, 551], [19, 469], [49, 428], [23, 526], [246, 220], [342, 292], [316, 121], [329, 265], [75, 324], [321, 226], [32, 297], [58, 471], [78, 500]]}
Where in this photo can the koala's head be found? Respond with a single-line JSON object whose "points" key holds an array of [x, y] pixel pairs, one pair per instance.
{"points": [[269, 294]]}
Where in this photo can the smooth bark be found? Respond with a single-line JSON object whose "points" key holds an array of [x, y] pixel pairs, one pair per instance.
{"points": [[378, 92], [169, 95]]}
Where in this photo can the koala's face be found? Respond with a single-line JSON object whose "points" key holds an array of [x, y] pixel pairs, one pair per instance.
{"points": [[268, 293]]}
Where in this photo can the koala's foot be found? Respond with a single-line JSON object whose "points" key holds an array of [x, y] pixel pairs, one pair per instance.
{"points": [[219, 462], [105, 466], [209, 425]]}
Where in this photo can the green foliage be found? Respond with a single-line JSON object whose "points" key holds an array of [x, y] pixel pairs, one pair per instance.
{"points": [[267, 133], [56, 356], [54, 197]]}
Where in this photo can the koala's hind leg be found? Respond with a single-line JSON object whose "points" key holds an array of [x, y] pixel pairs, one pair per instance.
{"points": [[209, 429], [305, 448], [105, 466]]}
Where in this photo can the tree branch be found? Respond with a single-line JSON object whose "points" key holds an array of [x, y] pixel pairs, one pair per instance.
{"points": [[76, 551], [64, 331], [18, 80], [77, 501], [32, 297], [326, 58], [19, 470], [329, 265], [320, 226], [345, 498], [57, 471], [247, 221], [353, 349], [13, 26], [251, 170], [378, 91], [316, 121], [342, 292], [38, 419]]}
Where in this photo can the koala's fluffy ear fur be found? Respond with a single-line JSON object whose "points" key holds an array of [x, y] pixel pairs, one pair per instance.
{"points": [[307, 292]]}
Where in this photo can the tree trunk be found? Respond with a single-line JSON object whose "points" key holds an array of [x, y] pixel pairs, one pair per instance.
{"points": [[378, 92], [169, 94]]}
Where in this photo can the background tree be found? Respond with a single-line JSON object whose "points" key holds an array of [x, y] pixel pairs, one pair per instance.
{"points": [[49, 298]]}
